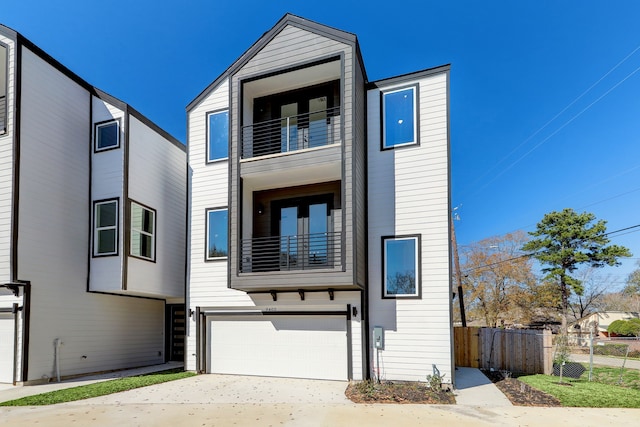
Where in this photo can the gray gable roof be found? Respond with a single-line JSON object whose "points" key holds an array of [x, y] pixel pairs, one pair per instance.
{"points": [[288, 19]]}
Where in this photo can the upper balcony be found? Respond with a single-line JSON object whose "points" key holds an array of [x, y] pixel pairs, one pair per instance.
{"points": [[292, 136], [292, 133]]}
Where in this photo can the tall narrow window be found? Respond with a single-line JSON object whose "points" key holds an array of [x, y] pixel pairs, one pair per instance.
{"points": [[107, 135], [399, 117], [217, 232], [401, 266], [143, 226], [105, 235], [3, 88], [218, 147]]}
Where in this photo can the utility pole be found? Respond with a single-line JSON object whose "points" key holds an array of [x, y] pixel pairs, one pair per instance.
{"points": [[456, 261]]}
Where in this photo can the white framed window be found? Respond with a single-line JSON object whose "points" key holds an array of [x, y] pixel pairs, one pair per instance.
{"points": [[400, 117], [401, 267], [105, 227], [107, 135], [217, 136], [143, 232], [217, 241]]}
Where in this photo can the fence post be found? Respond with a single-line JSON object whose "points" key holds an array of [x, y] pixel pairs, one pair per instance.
{"points": [[590, 352], [547, 344]]}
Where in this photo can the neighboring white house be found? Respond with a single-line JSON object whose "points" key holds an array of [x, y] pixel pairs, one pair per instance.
{"points": [[92, 225], [600, 322], [319, 215]]}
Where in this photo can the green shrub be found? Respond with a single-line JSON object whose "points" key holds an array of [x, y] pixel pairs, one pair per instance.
{"points": [[610, 349], [625, 328]]}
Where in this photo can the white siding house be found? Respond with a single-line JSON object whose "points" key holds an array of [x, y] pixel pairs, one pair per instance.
{"points": [[74, 287], [311, 191]]}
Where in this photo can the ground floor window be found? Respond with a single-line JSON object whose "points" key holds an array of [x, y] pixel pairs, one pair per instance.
{"points": [[401, 266]]}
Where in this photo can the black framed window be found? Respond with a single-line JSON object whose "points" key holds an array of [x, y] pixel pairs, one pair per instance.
{"points": [[218, 136], [400, 117], [401, 267], [107, 135], [4, 68], [217, 241], [105, 229], [143, 232]]}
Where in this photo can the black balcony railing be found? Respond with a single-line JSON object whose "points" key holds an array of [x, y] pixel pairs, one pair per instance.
{"points": [[285, 253], [309, 130]]}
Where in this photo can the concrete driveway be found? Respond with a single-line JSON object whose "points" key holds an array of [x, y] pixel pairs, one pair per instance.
{"points": [[224, 400]]}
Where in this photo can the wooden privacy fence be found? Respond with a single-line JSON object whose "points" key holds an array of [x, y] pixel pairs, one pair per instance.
{"points": [[522, 351]]}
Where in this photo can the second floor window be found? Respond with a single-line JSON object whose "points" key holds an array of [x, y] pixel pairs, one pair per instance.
{"points": [[218, 136], [143, 227], [105, 233], [217, 232]]}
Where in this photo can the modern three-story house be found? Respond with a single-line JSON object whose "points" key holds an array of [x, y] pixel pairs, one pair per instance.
{"points": [[319, 215], [92, 225]]}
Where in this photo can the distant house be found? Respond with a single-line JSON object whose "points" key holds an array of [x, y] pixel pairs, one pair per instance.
{"points": [[92, 225], [599, 322], [319, 214]]}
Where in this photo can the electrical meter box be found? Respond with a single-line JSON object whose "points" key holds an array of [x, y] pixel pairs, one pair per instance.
{"points": [[378, 337]]}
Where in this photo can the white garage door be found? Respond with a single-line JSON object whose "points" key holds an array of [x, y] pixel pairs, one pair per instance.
{"points": [[295, 346], [6, 348]]}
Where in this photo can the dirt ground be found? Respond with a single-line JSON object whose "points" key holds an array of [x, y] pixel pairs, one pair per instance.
{"points": [[392, 392], [519, 393]]}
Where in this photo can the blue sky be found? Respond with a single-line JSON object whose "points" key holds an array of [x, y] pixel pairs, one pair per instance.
{"points": [[545, 105]]}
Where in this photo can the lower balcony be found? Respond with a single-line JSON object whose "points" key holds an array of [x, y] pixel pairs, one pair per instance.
{"points": [[289, 253]]}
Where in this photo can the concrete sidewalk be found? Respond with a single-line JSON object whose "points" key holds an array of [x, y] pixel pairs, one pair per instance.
{"points": [[473, 388]]}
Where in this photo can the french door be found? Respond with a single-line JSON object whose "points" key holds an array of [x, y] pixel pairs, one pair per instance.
{"points": [[303, 226]]}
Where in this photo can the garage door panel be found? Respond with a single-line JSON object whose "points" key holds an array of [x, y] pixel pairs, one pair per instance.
{"points": [[6, 348], [292, 346]]}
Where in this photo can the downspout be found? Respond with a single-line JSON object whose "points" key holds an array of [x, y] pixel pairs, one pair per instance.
{"points": [[15, 343], [58, 343]]}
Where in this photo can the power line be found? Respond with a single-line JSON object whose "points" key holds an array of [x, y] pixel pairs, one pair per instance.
{"points": [[557, 115], [535, 147], [580, 208], [534, 253]]}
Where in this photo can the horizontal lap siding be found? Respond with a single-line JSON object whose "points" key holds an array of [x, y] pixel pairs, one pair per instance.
{"points": [[99, 332], [107, 182], [408, 194], [157, 177], [208, 188], [6, 168]]}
